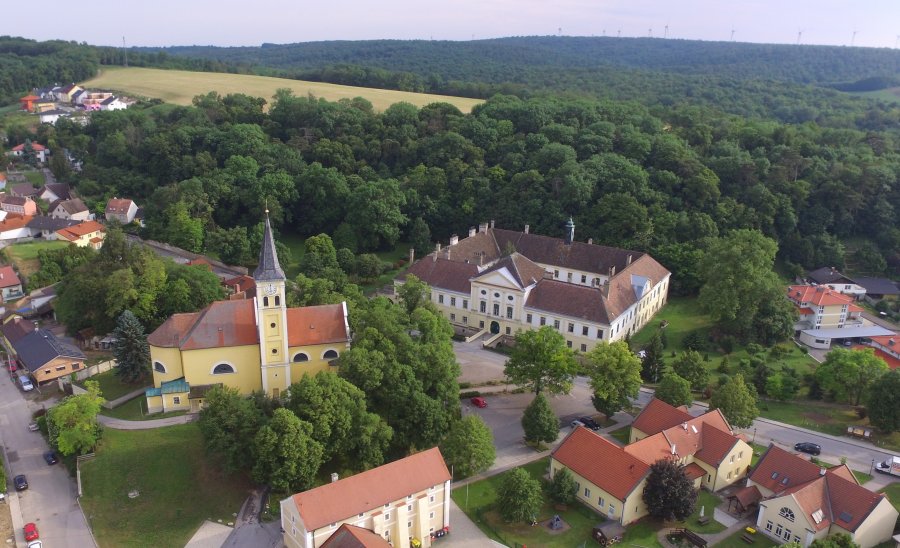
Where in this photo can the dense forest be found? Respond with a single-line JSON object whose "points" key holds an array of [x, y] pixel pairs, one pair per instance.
{"points": [[628, 177]]}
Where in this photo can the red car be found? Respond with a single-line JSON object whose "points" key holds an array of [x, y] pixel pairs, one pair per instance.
{"points": [[479, 402], [31, 532]]}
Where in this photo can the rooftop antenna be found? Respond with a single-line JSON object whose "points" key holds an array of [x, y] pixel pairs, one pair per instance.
{"points": [[853, 39], [125, 51]]}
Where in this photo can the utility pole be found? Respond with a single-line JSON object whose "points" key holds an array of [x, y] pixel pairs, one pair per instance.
{"points": [[853, 39], [125, 51], [732, 35]]}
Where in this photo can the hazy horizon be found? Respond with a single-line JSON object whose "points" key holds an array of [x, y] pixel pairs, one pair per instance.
{"points": [[873, 23]]}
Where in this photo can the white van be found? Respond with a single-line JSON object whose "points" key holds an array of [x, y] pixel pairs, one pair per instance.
{"points": [[25, 382]]}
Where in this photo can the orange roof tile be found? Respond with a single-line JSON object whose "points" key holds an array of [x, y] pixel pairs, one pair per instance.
{"points": [[694, 471], [657, 416], [369, 490], [316, 325], [818, 295], [8, 277], [778, 469], [351, 536], [601, 462], [805, 311], [75, 232]]}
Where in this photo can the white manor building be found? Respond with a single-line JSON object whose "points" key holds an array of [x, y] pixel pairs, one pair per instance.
{"points": [[501, 281]]}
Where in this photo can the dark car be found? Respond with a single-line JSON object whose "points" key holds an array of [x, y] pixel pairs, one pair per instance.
{"points": [[479, 402], [589, 423], [50, 457], [807, 447], [21, 482]]}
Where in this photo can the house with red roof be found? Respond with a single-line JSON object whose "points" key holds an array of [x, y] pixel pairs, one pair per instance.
{"points": [[887, 347], [802, 502], [499, 282], [40, 151], [611, 478], [821, 307], [10, 284], [248, 344], [393, 504], [122, 210], [86, 234], [27, 103]]}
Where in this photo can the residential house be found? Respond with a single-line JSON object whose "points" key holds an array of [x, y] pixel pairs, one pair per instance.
{"points": [[122, 210], [887, 347], [45, 104], [93, 98], [86, 234], [65, 93], [24, 190], [240, 287], [18, 205], [45, 227], [27, 103], [78, 96], [251, 345], [113, 103], [52, 116], [832, 277], [10, 285], [40, 151], [402, 501], [713, 456], [38, 303], [14, 227], [72, 209], [879, 288], [802, 502], [39, 351], [52, 192], [825, 315], [501, 282]]}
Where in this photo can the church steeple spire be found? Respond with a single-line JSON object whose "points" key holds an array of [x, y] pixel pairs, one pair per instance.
{"points": [[268, 269]]}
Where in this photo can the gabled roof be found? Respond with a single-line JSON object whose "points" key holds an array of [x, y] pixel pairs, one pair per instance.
{"points": [[351, 536], [658, 415], [372, 489], [707, 437], [61, 190], [321, 324], [39, 347], [818, 295], [24, 189], [8, 277], [268, 268], [778, 469], [443, 274], [583, 451], [71, 206], [118, 206], [43, 222], [521, 268], [14, 221], [109, 100], [878, 286], [577, 301], [80, 230], [37, 147], [16, 328], [828, 275], [69, 88]]}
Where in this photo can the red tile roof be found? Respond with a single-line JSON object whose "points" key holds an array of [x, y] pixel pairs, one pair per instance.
{"points": [[351, 536], [524, 270], [316, 325], [443, 274], [8, 277], [818, 295], [601, 462], [694, 471], [657, 416], [37, 147], [783, 465], [118, 206], [372, 489], [14, 221], [75, 232], [707, 437], [805, 311]]}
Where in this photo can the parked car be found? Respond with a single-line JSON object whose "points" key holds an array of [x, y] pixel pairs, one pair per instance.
{"points": [[589, 422], [847, 342], [35, 544], [50, 457], [21, 482], [808, 447], [33, 426], [25, 383], [31, 532], [478, 401]]}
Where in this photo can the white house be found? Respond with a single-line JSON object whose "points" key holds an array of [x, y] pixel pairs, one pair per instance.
{"points": [[113, 103], [122, 210], [72, 209]]}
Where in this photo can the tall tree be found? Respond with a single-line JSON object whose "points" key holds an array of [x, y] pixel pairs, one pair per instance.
{"points": [[519, 497], [228, 424], [72, 424], [848, 373], [286, 457], [674, 390], [736, 401], [413, 293], [469, 447], [131, 351], [615, 373], [668, 493], [652, 363], [541, 361], [689, 365], [539, 421], [563, 488], [883, 404]]}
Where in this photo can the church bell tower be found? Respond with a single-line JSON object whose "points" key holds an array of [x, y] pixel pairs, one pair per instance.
{"points": [[271, 317]]}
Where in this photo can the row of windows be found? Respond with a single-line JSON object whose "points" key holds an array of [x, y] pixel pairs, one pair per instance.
{"points": [[570, 326], [225, 368], [781, 531], [75, 367]]}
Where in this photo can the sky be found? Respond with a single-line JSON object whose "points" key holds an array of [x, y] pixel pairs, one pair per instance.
{"points": [[876, 23]]}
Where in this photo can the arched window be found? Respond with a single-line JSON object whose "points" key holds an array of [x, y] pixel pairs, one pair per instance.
{"points": [[787, 514], [159, 368], [301, 357], [223, 368], [265, 301], [330, 355], [277, 300]]}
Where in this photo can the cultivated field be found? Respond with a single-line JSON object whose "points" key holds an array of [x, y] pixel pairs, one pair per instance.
{"points": [[180, 87]]}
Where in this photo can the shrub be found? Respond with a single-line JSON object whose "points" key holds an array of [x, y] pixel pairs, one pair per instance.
{"points": [[727, 343], [693, 341]]}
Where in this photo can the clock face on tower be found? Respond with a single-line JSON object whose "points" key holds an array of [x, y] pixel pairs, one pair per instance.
{"points": [[270, 289]]}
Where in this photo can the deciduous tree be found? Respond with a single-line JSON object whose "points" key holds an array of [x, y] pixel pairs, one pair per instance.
{"points": [[675, 390], [469, 447], [541, 361], [131, 350], [668, 493], [689, 365], [72, 424], [539, 421], [848, 373], [519, 497], [883, 403], [837, 540], [736, 401], [229, 423], [615, 374], [563, 488], [286, 457]]}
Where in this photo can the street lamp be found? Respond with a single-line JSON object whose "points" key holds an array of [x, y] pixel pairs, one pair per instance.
{"points": [[872, 468], [754, 435]]}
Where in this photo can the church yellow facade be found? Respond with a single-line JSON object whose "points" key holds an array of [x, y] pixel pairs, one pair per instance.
{"points": [[256, 344]]}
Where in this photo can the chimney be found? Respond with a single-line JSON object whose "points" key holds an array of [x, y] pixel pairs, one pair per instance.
{"points": [[482, 227], [526, 229], [334, 477], [673, 449], [570, 231], [454, 239], [612, 272], [221, 337], [590, 241], [492, 223], [822, 471], [605, 288], [412, 255], [628, 260], [684, 425], [480, 258], [471, 231]]}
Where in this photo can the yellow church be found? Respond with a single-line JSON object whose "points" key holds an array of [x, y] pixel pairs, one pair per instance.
{"points": [[249, 344]]}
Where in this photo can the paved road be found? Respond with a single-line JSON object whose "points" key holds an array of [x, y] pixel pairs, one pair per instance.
{"points": [[50, 500]]}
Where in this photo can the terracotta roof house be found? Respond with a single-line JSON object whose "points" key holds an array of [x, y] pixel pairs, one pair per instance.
{"points": [[402, 500], [803, 502], [40, 151], [122, 210], [72, 209], [887, 347], [15, 226], [351, 536], [27, 103], [611, 478], [501, 281], [86, 234], [820, 307], [249, 344], [10, 285]]}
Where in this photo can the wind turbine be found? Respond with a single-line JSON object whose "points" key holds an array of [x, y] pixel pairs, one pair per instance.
{"points": [[732, 34], [619, 33], [853, 39], [666, 33], [650, 33], [799, 35]]}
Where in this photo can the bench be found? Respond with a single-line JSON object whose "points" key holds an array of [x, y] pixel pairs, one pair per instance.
{"points": [[703, 521], [747, 538]]}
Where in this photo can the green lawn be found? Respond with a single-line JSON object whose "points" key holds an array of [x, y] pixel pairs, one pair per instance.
{"points": [[893, 493], [36, 178], [136, 410], [24, 256], [709, 501], [111, 387], [734, 541], [178, 486], [642, 534], [622, 434]]}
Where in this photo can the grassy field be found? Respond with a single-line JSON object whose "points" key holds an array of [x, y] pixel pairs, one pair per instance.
{"points": [[734, 541], [24, 256], [111, 387], [178, 487], [136, 410], [180, 87], [622, 434], [893, 493]]}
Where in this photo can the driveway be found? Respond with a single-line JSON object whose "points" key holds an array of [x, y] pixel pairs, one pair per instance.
{"points": [[50, 500]]}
